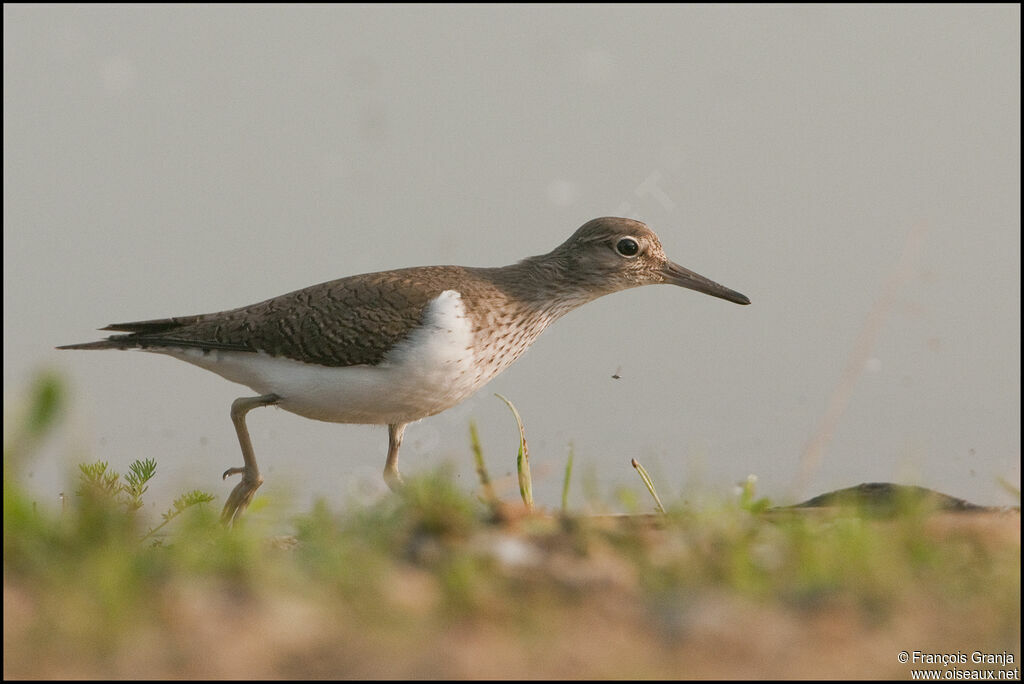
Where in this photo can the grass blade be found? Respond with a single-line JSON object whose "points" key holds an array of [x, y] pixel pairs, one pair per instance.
{"points": [[565, 483], [481, 467], [522, 459], [647, 481]]}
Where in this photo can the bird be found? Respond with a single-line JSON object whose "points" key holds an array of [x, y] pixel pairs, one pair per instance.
{"points": [[393, 347]]}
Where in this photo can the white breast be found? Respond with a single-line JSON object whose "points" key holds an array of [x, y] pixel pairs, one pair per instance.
{"points": [[430, 371]]}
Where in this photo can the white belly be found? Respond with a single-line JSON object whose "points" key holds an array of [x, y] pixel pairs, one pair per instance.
{"points": [[427, 373]]}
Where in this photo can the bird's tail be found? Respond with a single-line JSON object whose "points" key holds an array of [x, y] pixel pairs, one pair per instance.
{"points": [[115, 342], [139, 330]]}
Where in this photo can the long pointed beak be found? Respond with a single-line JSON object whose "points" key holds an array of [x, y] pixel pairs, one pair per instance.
{"points": [[684, 277]]}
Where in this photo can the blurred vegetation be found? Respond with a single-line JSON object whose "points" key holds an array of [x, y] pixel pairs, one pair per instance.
{"points": [[438, 582]]}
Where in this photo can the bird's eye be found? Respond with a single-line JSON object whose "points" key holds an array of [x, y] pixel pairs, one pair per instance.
{"points": [[627, 247]]}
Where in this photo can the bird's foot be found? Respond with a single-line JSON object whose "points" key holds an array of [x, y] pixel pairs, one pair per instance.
{"points": [[241, 495], [394, 480]]}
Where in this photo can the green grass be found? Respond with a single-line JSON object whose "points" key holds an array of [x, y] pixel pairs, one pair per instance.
{"points": [[432, 583]]}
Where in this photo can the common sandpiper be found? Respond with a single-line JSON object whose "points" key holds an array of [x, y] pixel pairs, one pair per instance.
{"points": [[393, 347]]}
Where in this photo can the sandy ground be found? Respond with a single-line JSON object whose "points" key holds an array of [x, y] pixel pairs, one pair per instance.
{"points": [[571, 617]]}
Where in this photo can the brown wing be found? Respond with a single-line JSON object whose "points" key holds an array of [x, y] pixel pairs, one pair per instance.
{"points": [[345, 322]]}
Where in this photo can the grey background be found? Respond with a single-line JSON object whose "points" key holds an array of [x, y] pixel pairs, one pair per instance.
{"points": [[854, 170]]}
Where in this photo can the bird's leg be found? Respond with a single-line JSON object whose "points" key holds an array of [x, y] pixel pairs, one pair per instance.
{"points": [[391, 474], [243, 492]]}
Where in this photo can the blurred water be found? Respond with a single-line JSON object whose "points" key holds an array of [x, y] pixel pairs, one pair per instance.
{"points": [[175, 160]]}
